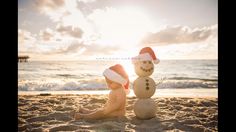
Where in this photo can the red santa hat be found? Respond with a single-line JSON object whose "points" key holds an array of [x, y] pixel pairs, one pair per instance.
{"points": [[146, 53], [117, 74]]}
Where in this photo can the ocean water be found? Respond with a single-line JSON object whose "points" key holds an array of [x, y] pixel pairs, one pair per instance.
{"points": [[87, 75]]}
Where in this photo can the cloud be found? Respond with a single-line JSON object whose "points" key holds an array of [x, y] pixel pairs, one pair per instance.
{"points": [[46, 44], [24, 35], [55, 9], [96, 49], [49, 4], [107, 31], [46, 47], [72, 47], [180, 34], [120, 26], [72, 31], [26, 41], [67, 15], [46, 34], [77, 47], [86, 1], [26, 23]]}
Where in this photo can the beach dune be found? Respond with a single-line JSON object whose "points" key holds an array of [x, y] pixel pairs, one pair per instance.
{"points": [[50, 113]]}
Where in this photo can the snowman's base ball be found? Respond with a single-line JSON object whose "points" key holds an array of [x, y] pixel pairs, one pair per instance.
{"points": [[145, 108]]}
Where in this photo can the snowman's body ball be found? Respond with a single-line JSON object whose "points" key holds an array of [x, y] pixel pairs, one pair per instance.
{"points": [[144, 87], [144, 68], [145, 108]]}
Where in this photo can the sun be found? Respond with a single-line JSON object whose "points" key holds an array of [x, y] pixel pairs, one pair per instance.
{"points": [[129, 68], [121, 26]]}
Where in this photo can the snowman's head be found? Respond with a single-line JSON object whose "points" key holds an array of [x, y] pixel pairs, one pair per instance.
{"points": [[143, 63], [144, 68]]}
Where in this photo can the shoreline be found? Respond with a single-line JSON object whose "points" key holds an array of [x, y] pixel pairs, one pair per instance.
{"points": [[194, 93]]}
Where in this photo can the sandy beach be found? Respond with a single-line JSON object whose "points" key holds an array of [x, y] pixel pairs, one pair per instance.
{"points": [[51, 113]]}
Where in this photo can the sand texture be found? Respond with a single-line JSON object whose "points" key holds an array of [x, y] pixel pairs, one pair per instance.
{"points": [[50, 113]]}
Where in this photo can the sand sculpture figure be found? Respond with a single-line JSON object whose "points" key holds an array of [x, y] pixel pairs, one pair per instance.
{"points": [[144, 86]]}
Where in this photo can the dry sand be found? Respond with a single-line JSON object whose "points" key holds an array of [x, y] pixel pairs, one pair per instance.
{"points": [[51, 113]]}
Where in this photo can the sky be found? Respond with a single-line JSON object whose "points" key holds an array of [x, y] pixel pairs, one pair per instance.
{"points": [[91, 29]]}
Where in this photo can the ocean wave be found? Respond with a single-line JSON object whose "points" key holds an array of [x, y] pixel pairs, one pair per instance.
{"points": [[191, 78], [66, 75], [101, 85], [188, 84], [50, 86]]}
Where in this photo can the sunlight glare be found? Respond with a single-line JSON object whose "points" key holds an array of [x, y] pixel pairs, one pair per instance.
{"points": [[123, 26]]}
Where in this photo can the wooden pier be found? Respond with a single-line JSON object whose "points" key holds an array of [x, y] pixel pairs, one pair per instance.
{"points": [[23, 58]]}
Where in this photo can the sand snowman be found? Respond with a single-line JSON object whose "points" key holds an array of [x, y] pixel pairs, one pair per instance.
{"points": [[144, 86]]}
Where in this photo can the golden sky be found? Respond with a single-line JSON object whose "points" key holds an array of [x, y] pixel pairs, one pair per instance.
{"points": [[87, 29]]}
